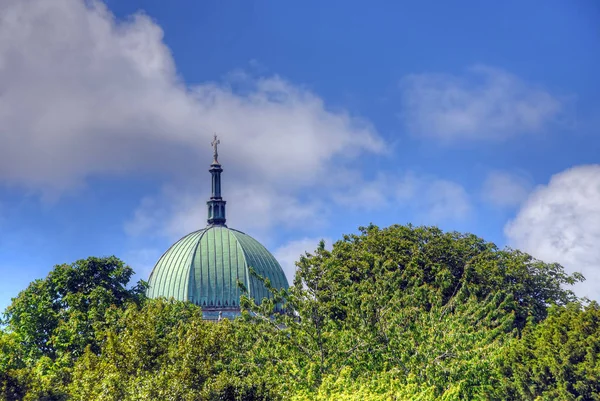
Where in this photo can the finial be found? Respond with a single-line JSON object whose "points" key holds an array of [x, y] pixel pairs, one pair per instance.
{"points": [[214, 144], [216, 204]]}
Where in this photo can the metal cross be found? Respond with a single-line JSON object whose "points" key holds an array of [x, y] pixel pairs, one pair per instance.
{"points": [[214, 144]]}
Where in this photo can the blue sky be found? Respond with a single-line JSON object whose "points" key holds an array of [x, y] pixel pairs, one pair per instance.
{"points": [[473, 116]]}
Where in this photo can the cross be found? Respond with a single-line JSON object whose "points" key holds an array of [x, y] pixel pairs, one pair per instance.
{"points": [[214, 144]]}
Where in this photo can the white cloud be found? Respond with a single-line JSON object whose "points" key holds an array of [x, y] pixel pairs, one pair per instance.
{"points": [[560, 222], [83, 94], [446, 200], [408, 187], [253, 209], [488, 103], [261, 210], [504, 189], [358, 193], [288, 254], [433, 199]]}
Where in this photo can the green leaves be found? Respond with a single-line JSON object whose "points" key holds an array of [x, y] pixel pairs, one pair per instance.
{"points": [[55, 319], [164, 350], [396, 313], [57, 315], [414, 304], [558, 358]]}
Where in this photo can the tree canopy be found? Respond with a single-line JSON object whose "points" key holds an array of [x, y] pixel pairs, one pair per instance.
{"points": [[399, 313], [51, 322]]}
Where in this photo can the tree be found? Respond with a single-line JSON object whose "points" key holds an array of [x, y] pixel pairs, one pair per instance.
{"points": [[52, 321], [165, 350], [410, 301], [12, 369], [422, 267], [396, 313], [57, 315], [557, 359]]}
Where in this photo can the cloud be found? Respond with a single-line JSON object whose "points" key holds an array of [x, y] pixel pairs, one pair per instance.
{"points": [[362, 194], [446, 200], [504, 189], [487, 103], [261, 210], [289, 253], [432, 198], [560, 222], [253, 209], [83, 94]]}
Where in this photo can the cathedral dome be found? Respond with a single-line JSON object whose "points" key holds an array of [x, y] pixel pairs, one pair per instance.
{"points": [[204, 267]]}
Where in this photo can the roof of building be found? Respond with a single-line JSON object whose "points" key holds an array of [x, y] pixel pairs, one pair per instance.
{"points": [[204, 267]]}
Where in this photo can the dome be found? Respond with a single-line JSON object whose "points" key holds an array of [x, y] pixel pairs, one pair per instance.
{"points": [[204, 267]]}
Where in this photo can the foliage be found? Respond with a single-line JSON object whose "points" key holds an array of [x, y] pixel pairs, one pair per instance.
{"points": [[12, 370], [421, 267], [388, 314], [558, 359], [55, 319], [165, 350], [409, 300]]}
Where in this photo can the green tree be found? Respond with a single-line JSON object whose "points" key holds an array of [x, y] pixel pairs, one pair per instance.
{"points": [[558, 359], [13, 372], [50, 323], [56, 315], [410, 301], [396, 313], [166, 351]]}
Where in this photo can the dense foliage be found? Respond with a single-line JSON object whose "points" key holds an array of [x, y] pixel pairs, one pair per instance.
{"points": [[388, 314]]}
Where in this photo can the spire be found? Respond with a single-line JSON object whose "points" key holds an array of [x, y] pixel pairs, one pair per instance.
{"points": [[216, 204]]}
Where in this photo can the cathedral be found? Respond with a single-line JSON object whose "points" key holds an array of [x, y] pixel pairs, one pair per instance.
{"points": [[204, 267]]}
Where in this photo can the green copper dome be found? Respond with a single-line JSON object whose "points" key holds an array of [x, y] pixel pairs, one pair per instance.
{"points": [[204, 267]]}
